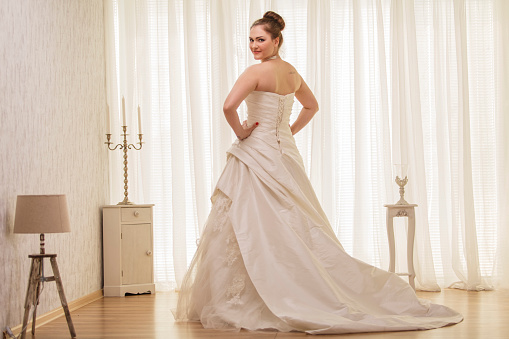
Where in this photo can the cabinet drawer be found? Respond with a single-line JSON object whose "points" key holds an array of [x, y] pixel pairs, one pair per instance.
{"points": [[136, 214]]}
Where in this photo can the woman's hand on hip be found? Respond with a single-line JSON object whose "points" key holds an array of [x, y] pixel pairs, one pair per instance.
{"points": [[246, 130]]}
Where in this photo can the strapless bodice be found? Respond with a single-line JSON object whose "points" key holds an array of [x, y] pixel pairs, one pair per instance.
{"points": [[272, 111]]}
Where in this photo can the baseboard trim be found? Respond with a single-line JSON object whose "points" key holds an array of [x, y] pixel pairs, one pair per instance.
{"points": [[59, 312]]}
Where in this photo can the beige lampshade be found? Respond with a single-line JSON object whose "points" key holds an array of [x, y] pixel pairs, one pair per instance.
{"points": [[41, 214]]}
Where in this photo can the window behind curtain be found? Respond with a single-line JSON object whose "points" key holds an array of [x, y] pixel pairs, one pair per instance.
{"points": [[163, 57]]}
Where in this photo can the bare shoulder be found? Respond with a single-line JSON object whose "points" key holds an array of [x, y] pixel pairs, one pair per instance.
{"points": [[290, 67], [250, 75], [282, 65], [250, 70], [294, 74], [277, 76]]}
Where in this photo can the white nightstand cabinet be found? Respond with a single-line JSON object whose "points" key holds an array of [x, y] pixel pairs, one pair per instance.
{"points": [[127, 250]]}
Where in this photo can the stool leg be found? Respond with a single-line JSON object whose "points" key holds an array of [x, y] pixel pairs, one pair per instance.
{"points": [[63, 300], [29, 299], [37, 292], [390, 237]]}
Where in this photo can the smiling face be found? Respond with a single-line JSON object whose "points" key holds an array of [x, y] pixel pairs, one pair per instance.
{"points": [[261, 44]]}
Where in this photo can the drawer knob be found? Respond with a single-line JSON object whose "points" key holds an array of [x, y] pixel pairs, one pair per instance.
{"points": [[149, 252], [136, 213]]}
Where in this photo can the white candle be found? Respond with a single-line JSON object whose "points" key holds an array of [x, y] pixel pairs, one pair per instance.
{"points": [[123, 112], [108, 127], [139, 120]]}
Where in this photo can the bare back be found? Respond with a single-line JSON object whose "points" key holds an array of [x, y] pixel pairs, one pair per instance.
{"points": [[278, 76]]}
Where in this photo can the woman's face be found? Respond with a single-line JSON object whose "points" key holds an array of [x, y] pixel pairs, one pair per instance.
{"points": [[261, 44]]}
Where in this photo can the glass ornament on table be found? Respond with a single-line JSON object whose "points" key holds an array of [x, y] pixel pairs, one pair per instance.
{"points": [[401, 174]]}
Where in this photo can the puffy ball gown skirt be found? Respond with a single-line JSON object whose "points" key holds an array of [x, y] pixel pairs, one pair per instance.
{"points": [[269, 259]]}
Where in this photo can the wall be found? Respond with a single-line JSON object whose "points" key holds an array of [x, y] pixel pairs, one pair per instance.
{"points": [[53, 118]]}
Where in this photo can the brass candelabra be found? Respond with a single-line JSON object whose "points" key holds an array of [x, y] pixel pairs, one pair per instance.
{"points": [[124, 146]]}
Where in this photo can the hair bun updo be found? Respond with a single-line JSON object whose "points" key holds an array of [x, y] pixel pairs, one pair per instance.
{"points": [[273, 24], [276, 18]]}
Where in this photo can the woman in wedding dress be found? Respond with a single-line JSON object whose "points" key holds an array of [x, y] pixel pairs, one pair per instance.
{"points": [[268, 257]]}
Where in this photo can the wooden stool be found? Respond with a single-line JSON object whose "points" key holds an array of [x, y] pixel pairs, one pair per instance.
{"points": [[34, 290], [394, 211]]}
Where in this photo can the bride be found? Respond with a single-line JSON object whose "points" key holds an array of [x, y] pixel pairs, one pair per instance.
{"points": [[268, 257]]}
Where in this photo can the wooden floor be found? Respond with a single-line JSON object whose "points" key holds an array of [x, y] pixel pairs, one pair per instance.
{"points": [[148, 316]]}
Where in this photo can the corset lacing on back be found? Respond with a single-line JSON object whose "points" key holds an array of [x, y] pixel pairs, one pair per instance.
{"points": [[280, 112], [272, 112]]}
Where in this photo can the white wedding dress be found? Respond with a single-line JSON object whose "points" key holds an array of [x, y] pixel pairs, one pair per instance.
{"points": [[269, 259]]}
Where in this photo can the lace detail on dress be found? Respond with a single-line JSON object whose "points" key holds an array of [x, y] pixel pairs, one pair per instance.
{"points": [[233, 257], [236, 287], [232, 249], [233, 281], [279, 119], [221, 207]]}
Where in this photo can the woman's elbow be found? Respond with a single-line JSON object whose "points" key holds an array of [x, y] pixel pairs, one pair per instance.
{"points": [[313, 108], [225, 108], [228, 109], [316, 108]]}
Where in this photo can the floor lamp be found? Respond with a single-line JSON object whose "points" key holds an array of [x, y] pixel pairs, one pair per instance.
{"points": [[42, 214]]}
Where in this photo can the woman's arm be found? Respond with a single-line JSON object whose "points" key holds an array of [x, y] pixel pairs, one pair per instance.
{"points": [[309, 107], [245, 84]]}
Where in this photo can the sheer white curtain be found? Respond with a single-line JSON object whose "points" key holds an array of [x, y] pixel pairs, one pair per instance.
{"points": [[449, 93], [501, 32], [420, 82]]}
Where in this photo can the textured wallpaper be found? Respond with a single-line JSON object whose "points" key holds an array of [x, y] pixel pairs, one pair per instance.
{"points": [[52, 125]]}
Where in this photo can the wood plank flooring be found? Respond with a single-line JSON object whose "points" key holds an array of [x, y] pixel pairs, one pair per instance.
{"points": [[149, 316]]}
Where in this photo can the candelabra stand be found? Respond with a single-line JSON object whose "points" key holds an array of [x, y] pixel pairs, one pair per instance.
{"points": [[124, 146]]}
